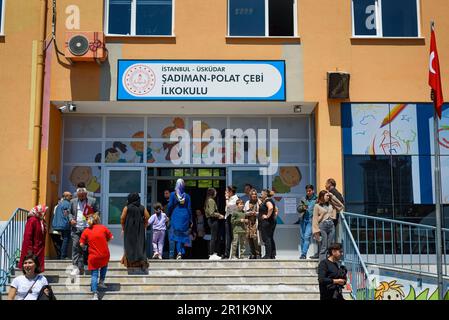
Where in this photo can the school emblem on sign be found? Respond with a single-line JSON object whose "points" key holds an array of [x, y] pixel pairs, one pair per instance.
{"points": [[139, 79]]}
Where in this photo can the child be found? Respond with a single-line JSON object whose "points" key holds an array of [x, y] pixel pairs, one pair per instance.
{"points": [[96, 237], [238, 222], [159, 222]]}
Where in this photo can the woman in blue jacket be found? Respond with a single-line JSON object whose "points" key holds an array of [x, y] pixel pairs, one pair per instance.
{"points": [[179, 208]]}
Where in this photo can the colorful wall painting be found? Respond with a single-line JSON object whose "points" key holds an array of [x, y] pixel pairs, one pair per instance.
{"points": [[391, 285], [400, 129]]}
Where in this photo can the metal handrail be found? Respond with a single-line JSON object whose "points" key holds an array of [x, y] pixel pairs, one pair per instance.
{"points": [[398, 244], [358, 274], [11, 237], [392, 220]]}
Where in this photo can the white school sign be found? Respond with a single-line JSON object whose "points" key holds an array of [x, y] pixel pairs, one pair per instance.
{"points": [[252, 80]]}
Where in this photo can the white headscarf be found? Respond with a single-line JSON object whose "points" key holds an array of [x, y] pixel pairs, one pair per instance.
{"points": [[179, 191]]}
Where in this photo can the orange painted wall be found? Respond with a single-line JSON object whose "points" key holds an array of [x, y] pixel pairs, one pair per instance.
{"points": [[200, 29], [21, 27]]}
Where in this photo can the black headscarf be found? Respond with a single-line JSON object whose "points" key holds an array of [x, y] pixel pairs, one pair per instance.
{"points": [[134, 198]]}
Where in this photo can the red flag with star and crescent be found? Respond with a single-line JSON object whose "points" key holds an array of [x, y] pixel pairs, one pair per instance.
{"points": [[435, 74]]}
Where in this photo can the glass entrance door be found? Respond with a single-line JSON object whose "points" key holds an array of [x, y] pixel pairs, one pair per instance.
{"points": [[119, 183], [239, 176]]}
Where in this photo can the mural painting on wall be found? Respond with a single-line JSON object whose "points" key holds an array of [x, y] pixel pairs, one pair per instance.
{"points": [[400, 129], [384, 129], [288, 178], [389, 289], [178, 123], [121, 153], [392, 290], [139, 146], [85, 174]]}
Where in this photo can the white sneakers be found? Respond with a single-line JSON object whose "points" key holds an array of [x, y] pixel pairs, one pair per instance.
{"points": [[95, 297], [179, 256], [75, 272], [214, 257]]}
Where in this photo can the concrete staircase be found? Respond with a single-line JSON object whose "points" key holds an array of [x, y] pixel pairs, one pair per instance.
{"points": [[194, 280]]}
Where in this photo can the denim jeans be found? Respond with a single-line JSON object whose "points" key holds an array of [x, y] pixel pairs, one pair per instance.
{"points": [[180, 247], [327, 231], [65, 243], [94, 278], [306, 234], [171, 244]]}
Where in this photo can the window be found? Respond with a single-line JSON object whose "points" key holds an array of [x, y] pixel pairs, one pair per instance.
{"points": [[2, 10], [263, 18], [139, 17], [385, 18]]}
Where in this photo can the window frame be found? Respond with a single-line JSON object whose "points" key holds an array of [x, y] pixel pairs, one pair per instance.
{"points": [[133, 23], [379, 26], [267, 23], [2, 17]]}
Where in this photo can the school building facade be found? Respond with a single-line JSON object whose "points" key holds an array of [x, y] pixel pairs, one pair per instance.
{"points": [[155, 67]]}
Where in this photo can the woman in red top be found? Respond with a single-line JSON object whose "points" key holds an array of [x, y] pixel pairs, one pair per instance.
{"points": [[96, 237], [34, 236]]}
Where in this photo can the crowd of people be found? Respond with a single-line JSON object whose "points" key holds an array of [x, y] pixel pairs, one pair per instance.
{"points": [[249, 226]]}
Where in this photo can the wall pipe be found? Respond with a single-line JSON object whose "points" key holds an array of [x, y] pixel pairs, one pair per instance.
{"points": [[37, 134]]}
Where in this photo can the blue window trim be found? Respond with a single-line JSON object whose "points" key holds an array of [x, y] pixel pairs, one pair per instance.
{"points": [[266, 35], [134, 22], [379, 26]]}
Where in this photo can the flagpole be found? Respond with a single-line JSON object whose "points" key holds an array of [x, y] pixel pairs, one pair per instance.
{"points": [[438, 230], [437, 174]]}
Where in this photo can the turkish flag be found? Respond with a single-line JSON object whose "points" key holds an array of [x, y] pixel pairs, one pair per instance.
{"points": [[435, 74]]}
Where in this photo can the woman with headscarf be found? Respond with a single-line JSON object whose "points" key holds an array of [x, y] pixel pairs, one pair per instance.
{"points": [[181, 217], [134, 221], [34, 236]]}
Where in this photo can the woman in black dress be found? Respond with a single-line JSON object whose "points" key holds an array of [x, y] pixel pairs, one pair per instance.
{"points": [[134, 221]]}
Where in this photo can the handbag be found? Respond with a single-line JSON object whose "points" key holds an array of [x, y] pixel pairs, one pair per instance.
{"points": [[43, 296]]}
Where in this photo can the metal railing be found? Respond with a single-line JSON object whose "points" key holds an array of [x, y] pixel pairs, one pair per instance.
{"points": [[11, 237], [399, 244], [358, 276]]}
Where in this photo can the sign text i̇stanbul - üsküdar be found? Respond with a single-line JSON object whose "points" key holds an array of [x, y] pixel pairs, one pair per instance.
{"points": [[201, 80]]}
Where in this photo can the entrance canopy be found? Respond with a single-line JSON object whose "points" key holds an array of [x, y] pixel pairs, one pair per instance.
{"points": [[192, 107]]}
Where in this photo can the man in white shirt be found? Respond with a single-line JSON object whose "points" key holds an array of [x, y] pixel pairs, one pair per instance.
{"points": [[231, 199]]}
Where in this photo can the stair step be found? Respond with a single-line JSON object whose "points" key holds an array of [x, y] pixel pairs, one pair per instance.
{"points": [[192, 296], [261, 272], [203, 264], [192, 280], [192, 288], [203, 280]]}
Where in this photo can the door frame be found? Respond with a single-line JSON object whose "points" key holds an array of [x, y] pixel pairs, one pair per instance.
{"points": [[231, 169], [106, 194]]}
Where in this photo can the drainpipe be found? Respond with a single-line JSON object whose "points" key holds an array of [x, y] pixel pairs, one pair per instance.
{"points": [[38, 103]]}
